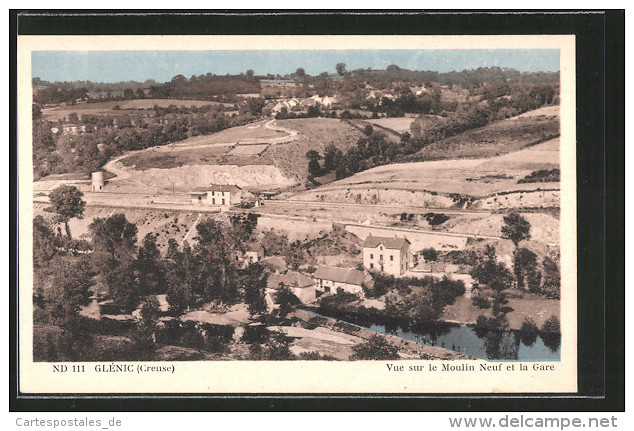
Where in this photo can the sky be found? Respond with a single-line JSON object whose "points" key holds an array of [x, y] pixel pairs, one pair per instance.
{"points": [[115, 66]]}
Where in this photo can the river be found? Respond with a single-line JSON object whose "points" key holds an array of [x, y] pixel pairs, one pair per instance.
{"points": [[492, 345]]}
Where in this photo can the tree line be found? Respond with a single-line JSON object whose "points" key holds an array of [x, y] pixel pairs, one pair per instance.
{"points": [[106, 136]]}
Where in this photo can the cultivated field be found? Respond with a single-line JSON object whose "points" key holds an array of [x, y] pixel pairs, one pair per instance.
{"points": [[101, 108], [238, 155], [164, 158], [248, 150], [545, 110], [262, 131], [498, 138], [473, 177], [398, 124]]}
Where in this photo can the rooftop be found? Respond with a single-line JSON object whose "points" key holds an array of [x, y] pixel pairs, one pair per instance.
{"points": [[389, 243], [216, 188], [341, 275], [290, 279], [274, 262]]}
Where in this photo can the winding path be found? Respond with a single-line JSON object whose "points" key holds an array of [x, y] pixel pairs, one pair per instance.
{"points": [[122, 173]]}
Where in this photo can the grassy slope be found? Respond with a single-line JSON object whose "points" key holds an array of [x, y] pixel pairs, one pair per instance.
{"points": [[314, 133], [498, 138], [491, 160], [102, 108]]}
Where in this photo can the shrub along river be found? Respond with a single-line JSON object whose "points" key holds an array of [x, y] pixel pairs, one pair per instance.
{"points": [[495, 345]]}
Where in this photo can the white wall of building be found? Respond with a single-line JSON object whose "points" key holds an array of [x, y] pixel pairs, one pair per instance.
{"points": [[390, 261]]}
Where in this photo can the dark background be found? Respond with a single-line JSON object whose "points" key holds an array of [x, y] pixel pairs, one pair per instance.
{"points": [[600, 56]]}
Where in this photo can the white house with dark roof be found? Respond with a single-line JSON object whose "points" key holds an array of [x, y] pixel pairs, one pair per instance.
{"points": [[302, 286], [389, 255], [331, 278], [216, 195]]}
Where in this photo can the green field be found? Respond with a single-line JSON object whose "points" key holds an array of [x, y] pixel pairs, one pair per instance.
{"points": [[102, 108]]}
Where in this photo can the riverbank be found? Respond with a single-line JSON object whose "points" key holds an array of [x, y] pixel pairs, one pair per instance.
{"points": [[530, 305], [407, 349], [508, 344]]}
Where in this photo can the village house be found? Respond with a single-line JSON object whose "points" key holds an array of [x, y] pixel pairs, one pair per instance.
{"points": [[302, 286], [216, 195], [274, 263], [330, 279], [254, 253], [389, 255], [289, 104]]}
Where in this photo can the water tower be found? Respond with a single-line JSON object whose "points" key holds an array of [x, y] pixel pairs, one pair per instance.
{"points": [[97, 181]]}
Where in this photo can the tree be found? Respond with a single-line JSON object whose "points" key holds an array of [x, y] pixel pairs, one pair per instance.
{"points": [[275, 243], [255, 105], [552, 279], [123, 286], [496, 276], [341, 69], [149, 268], [67, 293], [44, 242], [314, 111], [332, 157], [254, 283], [36, 111], [63, 299], [114, 251], [145, 334], [430, 254], [114, 241], [528, 332], [516, 228], [179, 294], [286, 300], [218, 245], [490, 272], [181, 275], [67, 202], [551, 333], [377, 347], [525, 268], [314, 169]]}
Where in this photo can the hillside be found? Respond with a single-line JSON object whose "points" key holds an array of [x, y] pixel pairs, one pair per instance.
{"points": [[259, 156], [102, 108], [494, 139], [433, 183]]}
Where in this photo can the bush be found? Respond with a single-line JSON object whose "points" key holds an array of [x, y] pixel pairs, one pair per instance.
{"points": [[340, 298], [551, 326], [315, 356], [486, 324], [346, 327], [551, 333], [430, 254], [277, 349], [436, 219], [255, 334], [541, 176], [528, 332], [481, 302], [377, 347]]}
